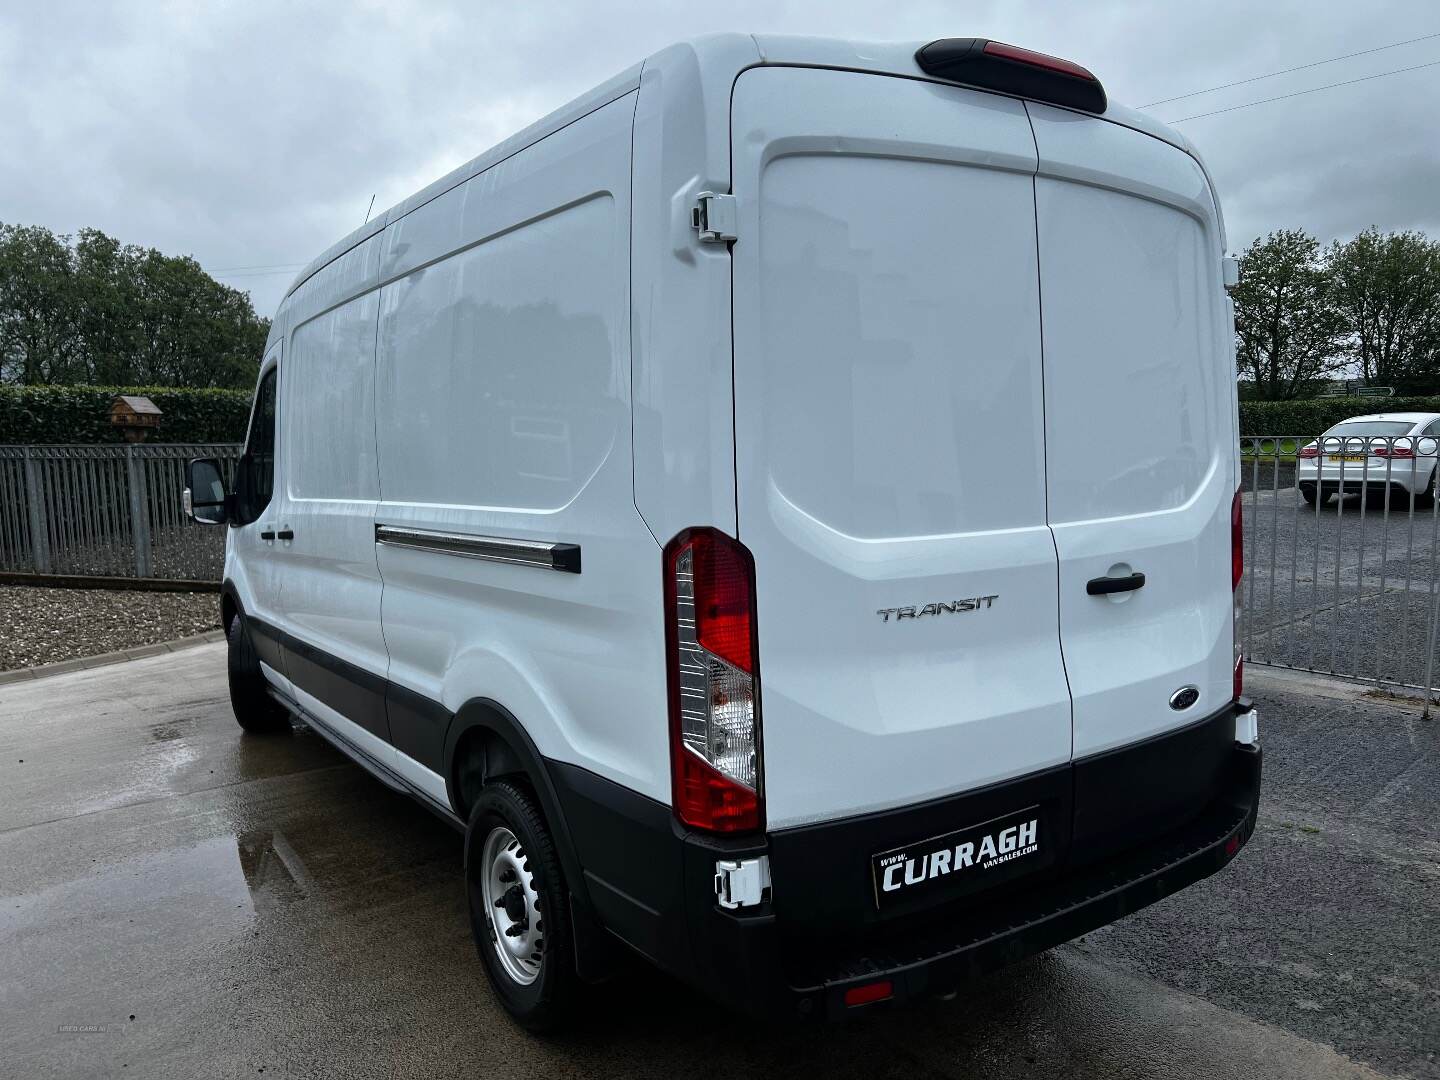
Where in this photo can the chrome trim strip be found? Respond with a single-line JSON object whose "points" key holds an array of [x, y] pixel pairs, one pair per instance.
{"points": [[563, 557]]}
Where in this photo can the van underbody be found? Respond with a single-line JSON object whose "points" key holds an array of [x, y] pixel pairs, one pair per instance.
{"points": [[795, 483]]}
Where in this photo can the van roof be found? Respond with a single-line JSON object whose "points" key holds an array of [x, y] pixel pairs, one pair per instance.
{"points": [[720, 58]]}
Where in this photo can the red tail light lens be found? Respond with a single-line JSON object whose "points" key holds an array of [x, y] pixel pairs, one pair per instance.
{"points": [[1037, 59], [714, 685], [1237, 543], [1395, 451], [1309, 452]]}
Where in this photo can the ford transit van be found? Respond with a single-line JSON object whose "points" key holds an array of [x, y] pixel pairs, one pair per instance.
{"points": [[782, 507]]}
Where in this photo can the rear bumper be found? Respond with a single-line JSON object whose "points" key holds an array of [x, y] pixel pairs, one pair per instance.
{"points": [[1406, 475], [1190, 804]]}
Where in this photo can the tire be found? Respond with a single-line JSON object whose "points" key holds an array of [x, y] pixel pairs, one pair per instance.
{"points": [[255, 710], [1432, 490], [513, 879], [1307, 492]]}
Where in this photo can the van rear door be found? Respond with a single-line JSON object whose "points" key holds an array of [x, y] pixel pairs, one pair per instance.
{"points": [[1140, 443], [890, 443]]}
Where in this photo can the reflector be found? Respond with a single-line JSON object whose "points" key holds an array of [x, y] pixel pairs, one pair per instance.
{"points": [[870, 992]]}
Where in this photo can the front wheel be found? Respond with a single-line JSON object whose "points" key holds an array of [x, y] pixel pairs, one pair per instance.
{"points": [[519, 907]]}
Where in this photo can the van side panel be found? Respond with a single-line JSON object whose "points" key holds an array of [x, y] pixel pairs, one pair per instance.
{"points": [[504, 411]]}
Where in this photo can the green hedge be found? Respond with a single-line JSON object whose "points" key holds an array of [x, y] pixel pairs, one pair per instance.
{"points": [[1312, 417], [81, 414]]}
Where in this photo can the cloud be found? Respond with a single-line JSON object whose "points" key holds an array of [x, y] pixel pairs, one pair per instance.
{"points": [[253, 134]]}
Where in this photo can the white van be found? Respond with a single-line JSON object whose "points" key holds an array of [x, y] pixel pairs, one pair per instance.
{"points": [[782, 506]]}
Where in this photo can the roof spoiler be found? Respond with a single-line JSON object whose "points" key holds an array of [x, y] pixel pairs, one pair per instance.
{"points": [[993, 65]]}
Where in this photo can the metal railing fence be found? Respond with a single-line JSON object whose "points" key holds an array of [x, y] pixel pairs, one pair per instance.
{"points": [[106, 510], [1341, 543]]}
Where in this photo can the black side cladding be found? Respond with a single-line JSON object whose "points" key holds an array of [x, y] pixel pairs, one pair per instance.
{"points": [[965, 60]]}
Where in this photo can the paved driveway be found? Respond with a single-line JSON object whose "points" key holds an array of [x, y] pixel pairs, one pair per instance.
{"points": [[177, 899]]}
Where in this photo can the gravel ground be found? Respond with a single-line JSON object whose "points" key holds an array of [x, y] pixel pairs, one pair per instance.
{"points": [[41, 626]]}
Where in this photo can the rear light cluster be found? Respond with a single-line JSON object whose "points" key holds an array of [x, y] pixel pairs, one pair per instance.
{"points": [[714, 684], [1237, 571], [1309, 452], [1394, 452]]}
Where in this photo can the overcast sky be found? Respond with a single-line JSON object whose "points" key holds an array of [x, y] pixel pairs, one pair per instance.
{"points": [[251, 134]]}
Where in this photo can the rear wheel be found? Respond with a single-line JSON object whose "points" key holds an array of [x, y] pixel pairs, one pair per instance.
{"points": [[254, 708], [1307, 492], [519, 907]]}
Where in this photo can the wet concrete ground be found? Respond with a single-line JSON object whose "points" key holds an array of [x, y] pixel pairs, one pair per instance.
{"points": [[178, 899]]}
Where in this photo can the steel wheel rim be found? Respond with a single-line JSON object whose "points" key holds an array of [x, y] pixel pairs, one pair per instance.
{"points": [[512, 906]]}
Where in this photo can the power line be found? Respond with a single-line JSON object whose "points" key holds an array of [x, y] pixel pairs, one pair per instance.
{"points": [[1302, 93], [1287, 71]]}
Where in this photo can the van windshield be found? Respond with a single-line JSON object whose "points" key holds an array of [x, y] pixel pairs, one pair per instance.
{"points": [[1372, 427]]}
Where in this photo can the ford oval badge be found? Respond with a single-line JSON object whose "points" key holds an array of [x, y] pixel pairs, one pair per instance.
{"points": [[1184, 697]]}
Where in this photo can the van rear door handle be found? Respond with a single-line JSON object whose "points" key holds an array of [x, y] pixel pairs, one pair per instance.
{"points": [[1103, 586], [268, 534], [289, 534]]}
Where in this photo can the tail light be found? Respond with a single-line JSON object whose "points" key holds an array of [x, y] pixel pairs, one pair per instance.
{"points": [[1309, 451], [1237, 571], [1394, 452], [714, 682]]}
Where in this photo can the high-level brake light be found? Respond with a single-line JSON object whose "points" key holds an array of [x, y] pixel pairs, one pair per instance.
{"points": [[1036, 59], [993, 65], [714, 682]]}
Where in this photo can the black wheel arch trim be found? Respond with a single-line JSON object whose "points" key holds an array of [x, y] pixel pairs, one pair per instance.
{"points": [[487, 714], [595, 956]]}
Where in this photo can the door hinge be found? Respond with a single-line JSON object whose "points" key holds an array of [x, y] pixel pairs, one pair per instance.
{"points": [[742, 883], [713, 217]]}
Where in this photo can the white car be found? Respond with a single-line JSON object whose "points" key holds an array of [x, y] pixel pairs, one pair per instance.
{"points": [[830, 714], [1382, 454]]}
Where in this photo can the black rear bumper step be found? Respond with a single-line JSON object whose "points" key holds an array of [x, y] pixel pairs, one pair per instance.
{"points": [[1132, 825], [982, 939]]}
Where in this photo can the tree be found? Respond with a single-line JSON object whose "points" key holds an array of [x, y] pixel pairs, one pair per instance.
{"points": [[1289, 333], [37, 306], [93, 311], [1387, 289]]}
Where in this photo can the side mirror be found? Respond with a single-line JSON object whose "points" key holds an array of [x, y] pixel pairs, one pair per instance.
{"points": [[205, 499]]}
